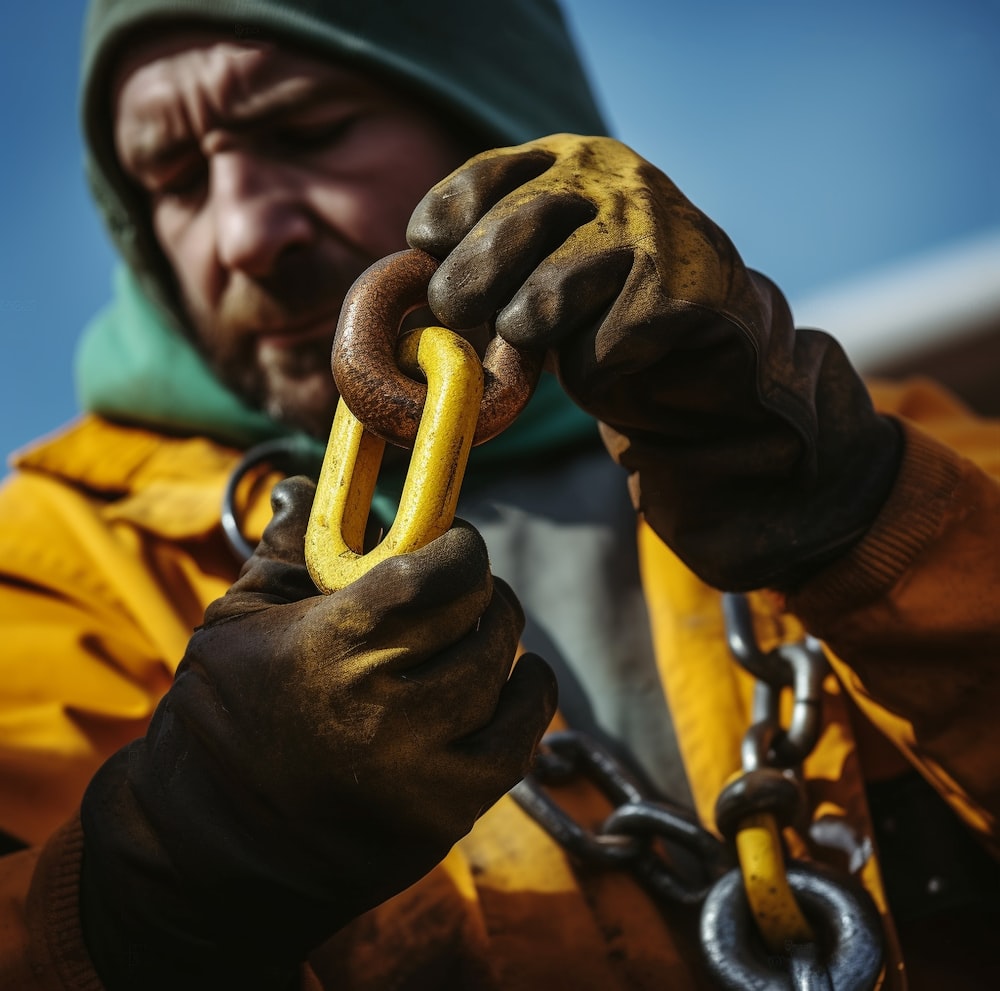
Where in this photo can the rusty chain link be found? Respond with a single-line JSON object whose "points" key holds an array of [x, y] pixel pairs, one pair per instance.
{"points": [[363, 359]]}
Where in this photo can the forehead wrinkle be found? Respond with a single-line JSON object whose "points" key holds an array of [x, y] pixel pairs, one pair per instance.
{"points": [[204, 91], [260, 83], [157, 124], [177, 102]]}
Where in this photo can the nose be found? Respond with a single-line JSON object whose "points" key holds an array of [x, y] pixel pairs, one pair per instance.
{"points": [[257, 210]]}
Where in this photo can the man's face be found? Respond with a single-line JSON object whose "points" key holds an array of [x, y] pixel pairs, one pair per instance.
{"points": [[274, 179]]}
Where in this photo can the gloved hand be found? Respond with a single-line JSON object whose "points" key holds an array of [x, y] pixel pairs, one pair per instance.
{"points": [[753, 448], [314, 756]]}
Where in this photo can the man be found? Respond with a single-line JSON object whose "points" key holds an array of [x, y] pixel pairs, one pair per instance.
{"points": [[294, 789]]}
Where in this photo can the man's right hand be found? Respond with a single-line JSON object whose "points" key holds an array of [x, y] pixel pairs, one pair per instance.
{"points": [[314, 756]]}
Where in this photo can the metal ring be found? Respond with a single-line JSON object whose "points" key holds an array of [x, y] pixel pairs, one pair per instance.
{"points": [[762, 789], [806, 969], [695, 857], [383, 398], [587, 846], [658, 819], [843, 914], [293, 452]]}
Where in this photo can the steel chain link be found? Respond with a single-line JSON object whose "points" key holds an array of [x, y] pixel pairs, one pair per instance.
{"points": [[680, 868], [679, 862]]}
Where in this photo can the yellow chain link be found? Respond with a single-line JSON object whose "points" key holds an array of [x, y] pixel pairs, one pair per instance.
{"points": [[335, 535], [772, 903]]}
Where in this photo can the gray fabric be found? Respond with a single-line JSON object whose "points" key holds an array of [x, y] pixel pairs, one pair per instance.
{"points": [[564, 536]]}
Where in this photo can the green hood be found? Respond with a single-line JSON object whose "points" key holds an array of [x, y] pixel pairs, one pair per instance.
{"points": [[508, 71], [128, 345]]}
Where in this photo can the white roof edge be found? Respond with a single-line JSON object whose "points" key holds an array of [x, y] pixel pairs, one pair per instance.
{"points": [[913, 305]]}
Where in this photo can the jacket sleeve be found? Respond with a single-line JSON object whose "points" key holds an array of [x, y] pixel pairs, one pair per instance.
{"points": [[41, 941], [79, 677], [912, 613], [41, 946], [85, 658], [95, 613]]}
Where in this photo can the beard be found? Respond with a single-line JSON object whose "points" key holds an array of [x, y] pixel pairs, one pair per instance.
{"points": [[293, 385], [269, 339]]}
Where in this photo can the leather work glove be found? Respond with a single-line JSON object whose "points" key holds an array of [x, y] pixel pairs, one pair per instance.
{"points": [[314, 756], [753, 449]]}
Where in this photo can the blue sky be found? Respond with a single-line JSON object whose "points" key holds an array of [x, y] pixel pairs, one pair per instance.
{"points": [[829, 140]]}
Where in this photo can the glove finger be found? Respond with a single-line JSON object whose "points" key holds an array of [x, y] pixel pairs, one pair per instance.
{"points": [[453, 207], [569, 291], [500, 753], [276, 572], [489, 266], [459, 687], [415, 604], [284, 536]]}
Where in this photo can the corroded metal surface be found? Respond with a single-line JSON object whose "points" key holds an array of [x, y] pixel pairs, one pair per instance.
{"points": [[365, 367]]}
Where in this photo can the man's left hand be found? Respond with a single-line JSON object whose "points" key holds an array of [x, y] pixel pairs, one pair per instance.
{"points": [[753, 449]]}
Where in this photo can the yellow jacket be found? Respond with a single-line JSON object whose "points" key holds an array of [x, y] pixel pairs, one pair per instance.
{"points": [[111, 548]]}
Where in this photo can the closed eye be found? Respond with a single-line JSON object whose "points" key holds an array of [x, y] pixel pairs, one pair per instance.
{"points": [[315, 136], [185, 183]]}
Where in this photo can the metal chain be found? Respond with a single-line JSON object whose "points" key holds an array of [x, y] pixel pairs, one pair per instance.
{"points": [[292, 455], [800, 666], [660, 843], [679, 862], [845, 952]]}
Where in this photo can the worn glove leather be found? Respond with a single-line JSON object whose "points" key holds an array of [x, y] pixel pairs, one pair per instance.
{"points": [[753, 449], [314, 756]]}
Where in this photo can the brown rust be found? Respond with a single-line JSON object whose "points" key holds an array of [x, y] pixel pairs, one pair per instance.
{"points": [[386, 400]]}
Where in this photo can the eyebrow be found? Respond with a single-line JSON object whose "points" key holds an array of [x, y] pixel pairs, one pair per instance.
{"points": [[156, 155], [156, 152]]}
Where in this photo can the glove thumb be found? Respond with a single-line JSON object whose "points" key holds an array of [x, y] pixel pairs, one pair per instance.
{"points": [[284, 537], [276, 572]]}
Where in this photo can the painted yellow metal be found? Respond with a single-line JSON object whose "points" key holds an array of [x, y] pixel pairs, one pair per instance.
{"points": [[334, 542], [772, 903]]}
